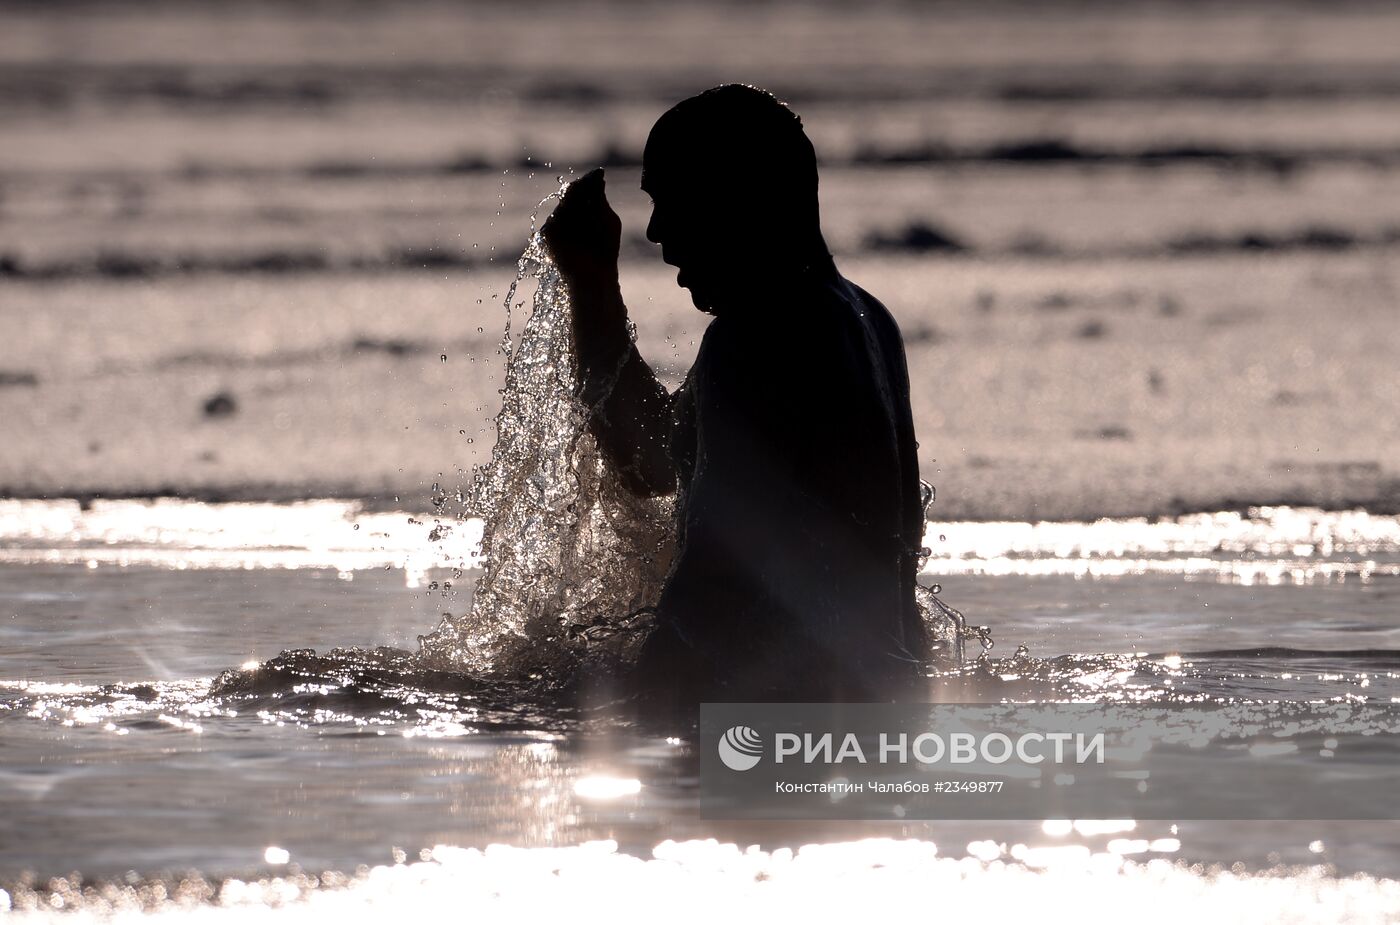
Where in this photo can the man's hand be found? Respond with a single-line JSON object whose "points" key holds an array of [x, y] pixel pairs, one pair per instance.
{"points": [[584, 235], [631, 410]]}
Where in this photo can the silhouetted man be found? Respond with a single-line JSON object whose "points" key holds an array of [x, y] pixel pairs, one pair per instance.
{"points": [[790, 445]]}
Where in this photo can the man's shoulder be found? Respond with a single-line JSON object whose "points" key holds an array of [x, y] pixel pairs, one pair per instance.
{"points": [[866, 303], [822, 319]]}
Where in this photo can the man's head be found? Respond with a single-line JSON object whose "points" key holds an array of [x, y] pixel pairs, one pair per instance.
{"points": [[733, 182]]}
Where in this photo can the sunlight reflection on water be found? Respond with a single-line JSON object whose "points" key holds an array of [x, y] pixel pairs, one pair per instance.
{"points": [[1270, 545], [870, 879]]}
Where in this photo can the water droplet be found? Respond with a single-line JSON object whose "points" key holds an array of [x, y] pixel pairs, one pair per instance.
{"points": [[444, 358], [942, 538]]}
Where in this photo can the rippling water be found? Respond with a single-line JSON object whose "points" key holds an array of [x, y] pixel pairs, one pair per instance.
{"points": [[128, 747]]}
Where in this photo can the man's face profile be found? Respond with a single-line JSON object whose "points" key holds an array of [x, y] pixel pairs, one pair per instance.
{"points": [[733, 183], [713, 237], [682, 224]]}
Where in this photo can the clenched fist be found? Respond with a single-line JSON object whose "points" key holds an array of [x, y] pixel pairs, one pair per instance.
{"points": [[584, 234]]}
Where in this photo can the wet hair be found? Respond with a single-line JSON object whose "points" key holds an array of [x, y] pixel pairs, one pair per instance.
{"points": [[742, 147]]}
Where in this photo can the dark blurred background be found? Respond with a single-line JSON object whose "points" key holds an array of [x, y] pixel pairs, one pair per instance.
{"points": [[1144, 255]]}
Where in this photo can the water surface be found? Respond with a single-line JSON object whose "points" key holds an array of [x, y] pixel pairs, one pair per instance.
{"points": [[119, 757]]}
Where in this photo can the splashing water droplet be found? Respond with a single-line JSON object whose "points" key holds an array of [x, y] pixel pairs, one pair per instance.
{"points": [[564, 541]]}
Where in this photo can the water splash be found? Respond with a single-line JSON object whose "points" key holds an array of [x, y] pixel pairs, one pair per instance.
{"points": [[572, 559]]}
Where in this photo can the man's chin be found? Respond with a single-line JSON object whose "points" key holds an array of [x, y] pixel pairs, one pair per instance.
{"points": [[702, 296], [702, 301], [698, 296]]}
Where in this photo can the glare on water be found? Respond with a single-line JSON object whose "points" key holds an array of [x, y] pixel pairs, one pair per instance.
{"points": [[1267, 545]]}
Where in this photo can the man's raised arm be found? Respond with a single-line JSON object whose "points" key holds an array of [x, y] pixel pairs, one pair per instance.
{"points": [[631, 409]]}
